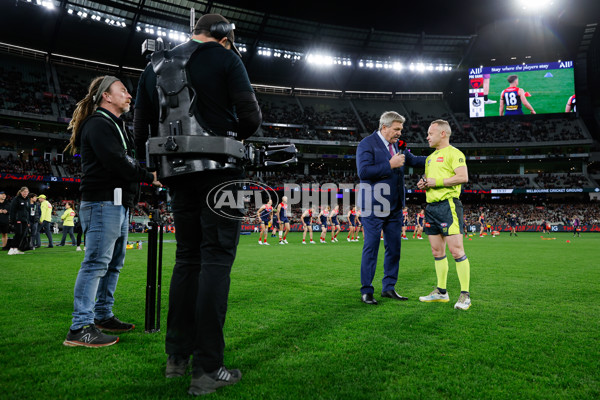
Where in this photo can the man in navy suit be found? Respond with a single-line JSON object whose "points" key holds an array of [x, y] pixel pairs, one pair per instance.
{"points": [[380, 163]]}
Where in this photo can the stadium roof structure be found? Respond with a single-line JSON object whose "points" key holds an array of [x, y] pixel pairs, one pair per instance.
{"points": [[277, 37]]}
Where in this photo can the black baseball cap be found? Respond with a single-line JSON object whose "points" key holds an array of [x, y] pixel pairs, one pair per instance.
{"points": [[208, 20]]}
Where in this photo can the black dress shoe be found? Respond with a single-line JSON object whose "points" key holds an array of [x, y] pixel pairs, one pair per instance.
{"points": [[368, 299], [393, 295]]}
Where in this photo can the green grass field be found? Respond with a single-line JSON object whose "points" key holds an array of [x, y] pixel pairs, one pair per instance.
{"points": [[548, 95], [297, 329]]}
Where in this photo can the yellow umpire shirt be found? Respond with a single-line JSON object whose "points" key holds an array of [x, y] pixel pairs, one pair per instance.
{"points": [[441, 165]]}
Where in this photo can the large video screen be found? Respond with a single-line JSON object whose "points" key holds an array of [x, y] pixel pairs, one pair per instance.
{"points": [[522, 89]]}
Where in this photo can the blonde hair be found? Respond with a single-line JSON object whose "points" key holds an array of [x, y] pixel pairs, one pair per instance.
{"points": [[443, 125], [84, 109]]}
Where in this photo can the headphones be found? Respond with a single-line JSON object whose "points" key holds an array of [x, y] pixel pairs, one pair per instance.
{"points": [[221, 29]]}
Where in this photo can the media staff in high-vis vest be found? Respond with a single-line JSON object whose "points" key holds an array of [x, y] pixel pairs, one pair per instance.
{"points": [[68, 218], [109, 185], [445, 172], [46, 218]]}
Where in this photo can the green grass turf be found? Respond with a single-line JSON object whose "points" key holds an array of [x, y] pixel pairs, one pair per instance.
{"points": [[297, 329], [548, 95]]}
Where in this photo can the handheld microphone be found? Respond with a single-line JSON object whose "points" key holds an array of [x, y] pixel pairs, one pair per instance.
{"points": [[401, 146]]}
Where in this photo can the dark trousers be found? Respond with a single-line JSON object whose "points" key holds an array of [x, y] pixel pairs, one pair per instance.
{"points": [[206, 247], [48, 231], [392, 229], [20, 232], [67, 230]]}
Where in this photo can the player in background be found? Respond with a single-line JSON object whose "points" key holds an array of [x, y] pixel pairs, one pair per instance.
{"points": [[351, 217], [481, 224], [273, 225], [514, 98], [576, 226], [335, 223], [265, 215], [307, 225], [323, 220], [571, 107], [284, 222], [486, 90], [419, 224], [404, 224], [512, 221], [359, 227]]}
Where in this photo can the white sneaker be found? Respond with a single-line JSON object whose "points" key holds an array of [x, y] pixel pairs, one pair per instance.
{"points": [[285, 241], [266, 244], [17, 251], [78, 248], [281, 242], [348, 239], [322, 241], [358, 237], [313, 242], [11, 252], [435, 297], [355, 240], [488, 101], [464, 302], [259, 242], [420, 238]]}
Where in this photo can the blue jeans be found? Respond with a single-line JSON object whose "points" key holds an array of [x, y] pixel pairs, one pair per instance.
{"points": [[35, 234], [105, 227]]}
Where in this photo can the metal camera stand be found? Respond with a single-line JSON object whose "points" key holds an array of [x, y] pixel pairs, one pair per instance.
{"points": [[154, 272]]}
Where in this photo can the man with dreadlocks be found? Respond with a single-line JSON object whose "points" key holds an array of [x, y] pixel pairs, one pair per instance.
{"points": [[109, 185]]}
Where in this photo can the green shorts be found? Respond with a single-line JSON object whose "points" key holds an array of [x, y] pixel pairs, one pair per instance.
{"points": [[444, 218]]}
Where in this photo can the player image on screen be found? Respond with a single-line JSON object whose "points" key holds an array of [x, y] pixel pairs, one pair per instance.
{"points": [[513, 98], [547, 86], [571, 105]]}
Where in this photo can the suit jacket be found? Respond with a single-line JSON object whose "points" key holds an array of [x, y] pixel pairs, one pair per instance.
{"points": [[382, 188]]}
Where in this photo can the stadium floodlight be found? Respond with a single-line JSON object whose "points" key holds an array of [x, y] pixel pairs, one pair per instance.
{"points": [[320, 59], [420, 67], [535, 5], [397, 66], [70, 11]]}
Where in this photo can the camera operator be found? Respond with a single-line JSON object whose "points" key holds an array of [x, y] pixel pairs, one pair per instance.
{"points": [[109, 185], [206, 241]]}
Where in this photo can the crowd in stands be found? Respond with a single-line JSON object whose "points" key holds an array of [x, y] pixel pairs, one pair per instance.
{"points": [[491, 181], [550, 181], [529, 214], [72, 168], [551, 129], [22, 165]]}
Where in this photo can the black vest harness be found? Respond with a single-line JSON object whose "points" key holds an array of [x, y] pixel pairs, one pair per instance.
{"points": [[185, 144]]}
